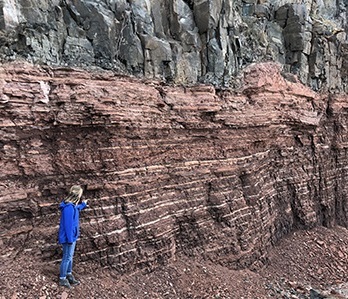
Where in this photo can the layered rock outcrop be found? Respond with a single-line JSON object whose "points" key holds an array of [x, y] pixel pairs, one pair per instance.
{"points": [[200, 171], [182, 41], [224, 168]]}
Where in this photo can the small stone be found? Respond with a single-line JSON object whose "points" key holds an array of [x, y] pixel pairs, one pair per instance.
{"points": [[320, 242], [315, 294], [64, 295]]}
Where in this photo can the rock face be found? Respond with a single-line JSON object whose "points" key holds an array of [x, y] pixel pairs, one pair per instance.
{"points": [[182, 41], [200, 171]]}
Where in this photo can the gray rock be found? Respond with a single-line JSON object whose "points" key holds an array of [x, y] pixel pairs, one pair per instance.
{"points": [[180, 40], [315, 294]]}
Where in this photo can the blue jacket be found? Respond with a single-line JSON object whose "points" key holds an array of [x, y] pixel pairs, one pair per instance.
{"points": [[69, 228]]}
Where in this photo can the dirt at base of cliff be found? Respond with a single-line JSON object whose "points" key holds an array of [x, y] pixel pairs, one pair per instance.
{"points": [[306, 264]]}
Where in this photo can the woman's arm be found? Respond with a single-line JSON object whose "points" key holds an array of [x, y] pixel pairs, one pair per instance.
{"points": [[82, 205]]}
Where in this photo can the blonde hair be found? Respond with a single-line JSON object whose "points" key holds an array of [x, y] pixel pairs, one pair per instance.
{"points": [[74, 195]]}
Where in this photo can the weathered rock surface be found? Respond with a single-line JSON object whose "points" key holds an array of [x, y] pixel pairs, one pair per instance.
{"points": [[199, 171], [182, 41]]}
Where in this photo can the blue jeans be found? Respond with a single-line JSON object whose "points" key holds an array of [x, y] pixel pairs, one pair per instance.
{"points": [[67, 260]]}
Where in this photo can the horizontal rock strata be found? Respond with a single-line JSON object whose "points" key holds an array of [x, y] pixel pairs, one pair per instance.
{"points": [[169, 170]]}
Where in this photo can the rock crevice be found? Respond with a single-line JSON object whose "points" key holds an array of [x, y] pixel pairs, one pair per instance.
{"points": [[184, 42]]}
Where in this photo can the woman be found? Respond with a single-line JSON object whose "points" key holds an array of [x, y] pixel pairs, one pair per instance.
{"points": [[69, 233]]}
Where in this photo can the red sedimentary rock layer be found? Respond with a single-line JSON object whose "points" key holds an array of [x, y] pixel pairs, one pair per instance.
{"points": [[195, 170]]}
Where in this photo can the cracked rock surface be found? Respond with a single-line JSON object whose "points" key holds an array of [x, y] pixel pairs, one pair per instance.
{"points": [[209, 173], [182, 41], [209, 136]]}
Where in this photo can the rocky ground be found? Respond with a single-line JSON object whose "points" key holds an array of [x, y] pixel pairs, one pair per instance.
{"points": [[307, 264]]}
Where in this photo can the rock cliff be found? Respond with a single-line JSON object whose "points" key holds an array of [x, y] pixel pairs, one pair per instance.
{"points": [[182, 41], [204, 128], [200, 171]]}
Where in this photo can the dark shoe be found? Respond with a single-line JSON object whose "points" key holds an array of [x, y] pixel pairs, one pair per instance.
{"points": [[72, 280], [64, 283]]}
